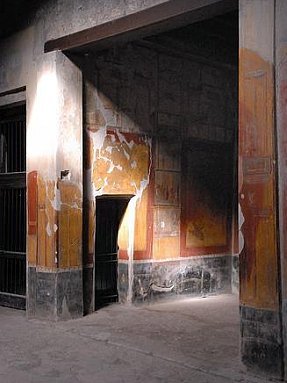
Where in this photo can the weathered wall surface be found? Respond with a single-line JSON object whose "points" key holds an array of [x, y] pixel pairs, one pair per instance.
{"points": [[161, 127], [259, 285], [72, 16], [281, 119], [147, 104], [54, 151], [54, 144], [144, 109]]}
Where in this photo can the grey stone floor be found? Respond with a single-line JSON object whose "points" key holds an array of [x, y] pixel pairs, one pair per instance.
{"points": [[189, 340]]}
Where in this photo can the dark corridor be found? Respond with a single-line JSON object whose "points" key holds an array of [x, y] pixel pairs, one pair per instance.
{"points": [[109, 212]]}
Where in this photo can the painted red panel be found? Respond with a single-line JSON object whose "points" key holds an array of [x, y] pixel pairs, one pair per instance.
{"points": [[32, 203], [257, 184]]}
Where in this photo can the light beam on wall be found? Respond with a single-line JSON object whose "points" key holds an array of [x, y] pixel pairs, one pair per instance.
{"points": [[42, 133]]}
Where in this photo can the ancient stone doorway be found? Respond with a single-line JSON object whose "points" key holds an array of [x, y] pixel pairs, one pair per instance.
{"points": [[109, 212]]}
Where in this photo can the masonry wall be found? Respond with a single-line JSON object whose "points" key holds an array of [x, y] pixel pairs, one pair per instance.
{"points": [[161, 126], [53, 95]]}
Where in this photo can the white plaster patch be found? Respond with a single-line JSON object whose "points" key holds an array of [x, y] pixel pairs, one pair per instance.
{"points": [[98, 139], [48, 230], [109, 149], [127, 155], [130, 250], [113, 139], [111, 168], [56, 202], [122, 139], [240, 223]]}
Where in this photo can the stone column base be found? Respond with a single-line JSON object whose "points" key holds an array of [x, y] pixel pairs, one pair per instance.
{"points": [[55, 295], [261, 345]]}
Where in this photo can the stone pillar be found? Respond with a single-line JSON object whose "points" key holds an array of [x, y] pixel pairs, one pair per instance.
{"points": [[281, 120], [261, 344], [54, 166]]}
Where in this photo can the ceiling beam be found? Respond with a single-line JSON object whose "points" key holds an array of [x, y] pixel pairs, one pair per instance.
{"points": [[162, 17]]}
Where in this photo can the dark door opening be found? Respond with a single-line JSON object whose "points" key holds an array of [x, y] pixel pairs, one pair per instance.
{"points": [[13, 207], [109, 212]]}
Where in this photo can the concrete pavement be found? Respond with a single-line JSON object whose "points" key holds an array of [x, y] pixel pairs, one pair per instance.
{"points": [[190, 340]]}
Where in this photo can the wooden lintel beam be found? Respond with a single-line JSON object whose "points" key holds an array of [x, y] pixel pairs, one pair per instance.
{"points": [[156, 19]]}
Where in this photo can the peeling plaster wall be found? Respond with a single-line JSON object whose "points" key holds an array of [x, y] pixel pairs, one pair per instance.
{"points": [[123, 104], [143, 110], [54, 152], [54, 143], [281, 119], [54, 140], [261, 343]]}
